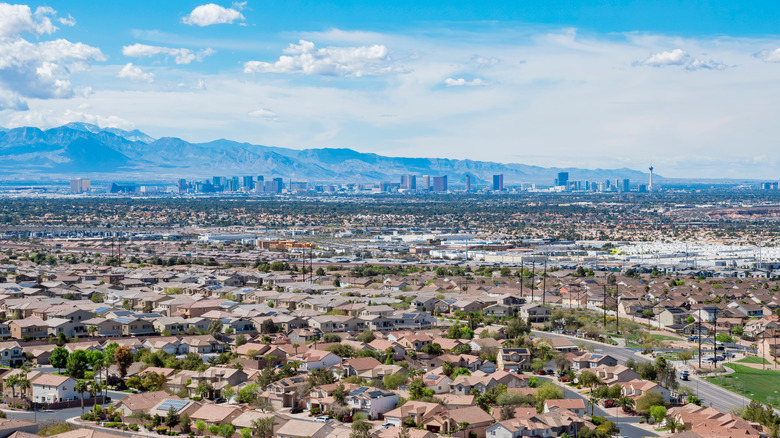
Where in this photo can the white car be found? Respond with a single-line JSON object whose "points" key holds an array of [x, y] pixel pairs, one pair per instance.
{"points": [[322, 419]]}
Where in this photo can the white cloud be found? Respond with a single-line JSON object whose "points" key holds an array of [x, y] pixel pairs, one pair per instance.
{"points": [[16, 20], [264, 113], [679, 57], [11, 101], [43, 69], [768, 55], [181, 56], [134, 73], [705, 64], [460, 82], [206, 15], [305, 58], [660, 59], [482, 61], [67, 21]]}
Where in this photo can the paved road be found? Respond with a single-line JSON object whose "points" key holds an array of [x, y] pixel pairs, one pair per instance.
{"points": [[59, 414], [711, 395], [628, 425]]}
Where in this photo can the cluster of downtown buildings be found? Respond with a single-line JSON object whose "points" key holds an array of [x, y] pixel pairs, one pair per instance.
{"points": [[409, 183]]}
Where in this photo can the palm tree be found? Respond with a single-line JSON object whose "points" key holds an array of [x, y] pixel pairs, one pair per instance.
{"points": [[81, 388], [295, 364], [627, 403], [12, 382], [674, 425], [593, 401], [24, 385], [295, 346]]}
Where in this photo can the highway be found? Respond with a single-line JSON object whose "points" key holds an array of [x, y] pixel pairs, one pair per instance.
{"points": [[711, 395]]}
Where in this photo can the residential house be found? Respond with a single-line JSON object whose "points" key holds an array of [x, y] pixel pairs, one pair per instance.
{"points": [[513, 359], [304, 429], [372, 401], [532, 312], [412, 413], [284, 393], [576, 405], [50, 388]]}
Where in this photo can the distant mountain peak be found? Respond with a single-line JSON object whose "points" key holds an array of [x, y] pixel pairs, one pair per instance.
{"points": [[134, 135], [87, 149]]}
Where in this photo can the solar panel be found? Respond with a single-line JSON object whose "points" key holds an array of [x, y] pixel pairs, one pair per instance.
{"points": [[432, 377], [177, 405]]}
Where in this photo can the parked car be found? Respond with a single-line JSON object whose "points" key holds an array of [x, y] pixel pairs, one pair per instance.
{"points": [[347, 419], [684, 375], [609, 403], [565, 379], [322, 419], [296, 410], [541, 372]]}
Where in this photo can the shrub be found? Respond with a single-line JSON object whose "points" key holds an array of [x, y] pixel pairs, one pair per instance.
{"points": [[133, 426], [162, 430]]}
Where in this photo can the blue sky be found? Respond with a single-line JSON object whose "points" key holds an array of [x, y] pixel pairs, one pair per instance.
{"points": [[690, 86]]}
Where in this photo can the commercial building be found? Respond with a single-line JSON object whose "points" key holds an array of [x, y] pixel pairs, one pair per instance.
{"points": [[79, 185], [498, 182], [563, 179], [440, 183], [408, 182]]}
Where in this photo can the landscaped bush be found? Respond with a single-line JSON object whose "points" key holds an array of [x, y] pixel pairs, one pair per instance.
{"points": [[88, 417], [162, 430], [133, 426]]}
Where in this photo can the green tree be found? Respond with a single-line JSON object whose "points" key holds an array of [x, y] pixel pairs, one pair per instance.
{"points": [[658, 413], [172, 418], [647, 401], [200, 425], [360, 429], [263, 427], [215, 328], [185, 423], [547, 391], [227, 430], [447, 368], [59, 358], [366, 336], [77, 364]]}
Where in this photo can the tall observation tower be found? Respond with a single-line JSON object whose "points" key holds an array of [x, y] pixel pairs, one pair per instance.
{"points": [[650, 186]]}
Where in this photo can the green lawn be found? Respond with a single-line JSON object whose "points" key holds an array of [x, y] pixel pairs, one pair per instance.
{"points": [[756, 384], [666, 338], [753, 359]]}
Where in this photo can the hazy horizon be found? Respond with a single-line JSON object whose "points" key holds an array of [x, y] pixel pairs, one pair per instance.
{"points": [[690, 89]]}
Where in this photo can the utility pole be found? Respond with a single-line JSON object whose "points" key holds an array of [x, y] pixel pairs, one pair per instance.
{"points": [[533, 278], [604, 306], [699, 337], [522, 275], [544, 284], [617, 310]]}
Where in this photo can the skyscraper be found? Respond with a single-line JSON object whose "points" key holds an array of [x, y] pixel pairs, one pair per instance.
{"points": [[248, 182], [408, 182], [440, 183], [468, 183], [426, 183], [563, 179], [626, 185], [498, 182], [79, 185]]}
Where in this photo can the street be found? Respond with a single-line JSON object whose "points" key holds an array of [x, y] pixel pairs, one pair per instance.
{"points": [[58, 415], [711, 395]]}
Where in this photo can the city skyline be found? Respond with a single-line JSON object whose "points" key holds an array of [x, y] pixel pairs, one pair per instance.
{"points": [[550, 84]]}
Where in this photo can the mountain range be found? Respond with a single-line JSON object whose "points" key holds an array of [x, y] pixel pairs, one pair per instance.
{"points": [[85, 150]]}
